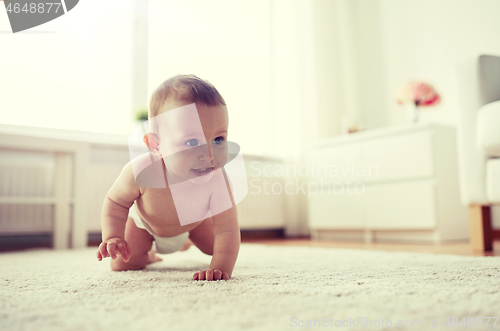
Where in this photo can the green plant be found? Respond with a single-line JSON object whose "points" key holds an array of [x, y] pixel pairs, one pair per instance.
{"points": [[141, 114]]}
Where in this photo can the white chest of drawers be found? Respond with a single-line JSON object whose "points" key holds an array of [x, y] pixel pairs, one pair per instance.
{"points": [[391, 184]]}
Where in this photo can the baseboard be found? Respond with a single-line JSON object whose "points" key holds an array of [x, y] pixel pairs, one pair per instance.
{"points": [[15, 242], [262, 234], [25, 241]]}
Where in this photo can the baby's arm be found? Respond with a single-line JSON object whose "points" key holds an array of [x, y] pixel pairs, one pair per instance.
{"points": [[227, 239], [114, 215]]}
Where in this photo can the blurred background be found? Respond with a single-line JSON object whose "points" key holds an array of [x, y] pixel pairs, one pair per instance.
{"points": [[304, 81]]}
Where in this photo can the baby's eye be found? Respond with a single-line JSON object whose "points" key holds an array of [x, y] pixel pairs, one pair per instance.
{"points": [[218, 140], [192, 142]]}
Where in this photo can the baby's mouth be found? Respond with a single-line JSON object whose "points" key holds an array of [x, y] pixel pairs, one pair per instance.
{"points": [[202, 171]]}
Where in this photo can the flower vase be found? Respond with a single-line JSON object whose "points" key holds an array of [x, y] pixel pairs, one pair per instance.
{"points": [[412, 111]]}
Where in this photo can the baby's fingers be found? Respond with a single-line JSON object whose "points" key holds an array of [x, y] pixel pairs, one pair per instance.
{"points": [[129, 252], [103, 250], [99, 256], [211, 275], [123, 251], [200, 275], [111, 247]]}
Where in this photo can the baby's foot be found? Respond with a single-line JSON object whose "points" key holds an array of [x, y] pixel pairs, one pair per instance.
{"points": [[186, 245], [152, 257]]}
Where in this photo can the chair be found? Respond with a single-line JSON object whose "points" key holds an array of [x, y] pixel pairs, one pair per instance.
{"points": [[478, 81]]}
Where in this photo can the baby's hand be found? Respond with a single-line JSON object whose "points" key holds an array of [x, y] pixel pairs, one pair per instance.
{"points": [[108, 248], [211, 275]]}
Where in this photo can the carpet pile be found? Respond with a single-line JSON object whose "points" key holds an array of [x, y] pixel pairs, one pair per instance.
{"points": [[272, 288]]}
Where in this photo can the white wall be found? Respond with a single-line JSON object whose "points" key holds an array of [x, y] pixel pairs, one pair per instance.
{"points": [[402, 40]]}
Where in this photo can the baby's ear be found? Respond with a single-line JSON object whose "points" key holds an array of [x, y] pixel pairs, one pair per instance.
{"points": [[152, 142]]}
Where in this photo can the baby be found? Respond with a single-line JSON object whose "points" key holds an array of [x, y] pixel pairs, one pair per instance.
{"points": [[182, 198]]}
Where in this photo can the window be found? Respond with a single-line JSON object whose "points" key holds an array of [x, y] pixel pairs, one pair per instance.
{"points": [[71, 73]]}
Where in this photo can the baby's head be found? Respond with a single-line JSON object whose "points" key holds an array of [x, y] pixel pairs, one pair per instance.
{"points": [[185, 113]]}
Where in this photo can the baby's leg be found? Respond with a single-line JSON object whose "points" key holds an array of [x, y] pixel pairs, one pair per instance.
{"points": [[140, 242], [152, 257], [186, 245]]}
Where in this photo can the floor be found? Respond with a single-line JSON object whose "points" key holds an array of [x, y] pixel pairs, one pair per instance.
{"points": [[277, 238], [462, 249]]}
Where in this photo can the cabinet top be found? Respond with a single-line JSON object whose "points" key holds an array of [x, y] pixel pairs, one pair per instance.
{"points": [[63, 135], [379, 133]]}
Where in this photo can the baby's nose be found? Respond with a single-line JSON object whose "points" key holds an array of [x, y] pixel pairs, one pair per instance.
{"points": [[207, 153]]}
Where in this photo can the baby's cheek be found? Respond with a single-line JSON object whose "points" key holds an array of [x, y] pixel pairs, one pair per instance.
{"points": [[221, 160], [219, 153], [182, 162]]}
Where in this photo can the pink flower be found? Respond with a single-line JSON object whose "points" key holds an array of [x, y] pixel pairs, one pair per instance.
{"points": [[421, 94]]}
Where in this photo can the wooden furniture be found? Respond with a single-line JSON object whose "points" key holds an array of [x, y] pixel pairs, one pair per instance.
{"points": [[478, 82], [481, 232], [399, 184]]}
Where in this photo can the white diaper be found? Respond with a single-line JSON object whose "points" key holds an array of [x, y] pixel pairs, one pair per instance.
{"points": [[164, 245]]}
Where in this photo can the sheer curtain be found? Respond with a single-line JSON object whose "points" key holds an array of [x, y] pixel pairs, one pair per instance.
{"points": [[227, 43], [257, 54]]}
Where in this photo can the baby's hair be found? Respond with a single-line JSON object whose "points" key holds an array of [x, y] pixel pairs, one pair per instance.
{"points": [[187, 88]]}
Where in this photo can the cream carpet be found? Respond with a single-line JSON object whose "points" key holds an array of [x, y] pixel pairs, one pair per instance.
{"points": [[273, 288]]}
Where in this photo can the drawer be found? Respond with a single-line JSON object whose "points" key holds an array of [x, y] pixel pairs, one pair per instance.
{"points": [[328, 210], [401, 206], [334, 164], [403, 157]]}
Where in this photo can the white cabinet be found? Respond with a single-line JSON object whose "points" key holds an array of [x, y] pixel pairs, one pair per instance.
{"points": [[406, 205], [349, 210], [401, 156], [393, 184]]}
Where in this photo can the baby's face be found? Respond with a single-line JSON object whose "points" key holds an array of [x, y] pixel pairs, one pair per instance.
{"points": [[193, 140]]}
